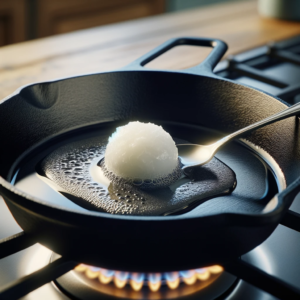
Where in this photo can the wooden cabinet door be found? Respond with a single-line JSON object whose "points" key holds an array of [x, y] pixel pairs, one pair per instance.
{"points": [[60, 16], [12, 21]]}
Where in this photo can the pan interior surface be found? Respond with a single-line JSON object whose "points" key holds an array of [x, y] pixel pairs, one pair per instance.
{"points": [[236, 181]]}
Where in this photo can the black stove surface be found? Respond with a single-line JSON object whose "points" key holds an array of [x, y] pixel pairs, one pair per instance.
{"points": [[274, 68]]}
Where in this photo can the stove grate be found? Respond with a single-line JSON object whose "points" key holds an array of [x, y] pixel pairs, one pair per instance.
{"points": [[262, 68]]}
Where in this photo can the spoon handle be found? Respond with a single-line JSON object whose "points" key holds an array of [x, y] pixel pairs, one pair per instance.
{"points": [[289, 112]]}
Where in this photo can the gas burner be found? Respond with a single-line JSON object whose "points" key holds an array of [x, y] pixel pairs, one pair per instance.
{"points": [[88, 282]]}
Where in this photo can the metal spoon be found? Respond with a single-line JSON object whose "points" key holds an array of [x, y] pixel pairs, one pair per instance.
{"points": [[192, 155]]}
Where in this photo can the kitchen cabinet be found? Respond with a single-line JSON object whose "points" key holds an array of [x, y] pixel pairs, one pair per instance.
{"points": [[28, 19], [57, 16], [12, 21]]}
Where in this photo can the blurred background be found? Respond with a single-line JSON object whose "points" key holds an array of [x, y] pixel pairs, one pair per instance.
{"points": [[22, 20]]}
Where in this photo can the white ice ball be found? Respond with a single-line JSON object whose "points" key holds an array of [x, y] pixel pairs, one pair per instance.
{"points": [[141, 150]]}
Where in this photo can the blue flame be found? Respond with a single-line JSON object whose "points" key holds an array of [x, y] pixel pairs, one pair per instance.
{"points": [[154, 277], [107, 273], [122, 275], [171, 276], [137, 277], [200, 270]]}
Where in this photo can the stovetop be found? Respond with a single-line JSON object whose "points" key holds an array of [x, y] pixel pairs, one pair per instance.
{"points": [[275, 69]]}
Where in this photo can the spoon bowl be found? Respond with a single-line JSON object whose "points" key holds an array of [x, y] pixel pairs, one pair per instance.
{"points": [[195, 155]]}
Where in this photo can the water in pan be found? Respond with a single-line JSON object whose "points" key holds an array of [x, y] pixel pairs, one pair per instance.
{"points": [[75, 172], [69, 176]]}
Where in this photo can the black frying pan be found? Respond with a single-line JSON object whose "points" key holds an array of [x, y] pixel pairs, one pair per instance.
{"points": [[45, 112]]}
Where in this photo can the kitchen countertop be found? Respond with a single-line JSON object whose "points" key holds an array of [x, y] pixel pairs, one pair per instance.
{"points": [[110, 47]]}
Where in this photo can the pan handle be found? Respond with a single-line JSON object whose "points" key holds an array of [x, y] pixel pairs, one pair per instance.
{"points": [[207, 66], [287, 196], [280, 204]]}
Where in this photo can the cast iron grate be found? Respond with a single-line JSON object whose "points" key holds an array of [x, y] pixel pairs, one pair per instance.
{"points": [[273, 68], [258, 68]]}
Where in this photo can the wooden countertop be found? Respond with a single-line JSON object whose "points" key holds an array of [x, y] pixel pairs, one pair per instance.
{"points": [[111, 47]]}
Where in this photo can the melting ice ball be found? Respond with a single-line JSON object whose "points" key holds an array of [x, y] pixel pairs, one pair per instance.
{"points": [[142, 153]]}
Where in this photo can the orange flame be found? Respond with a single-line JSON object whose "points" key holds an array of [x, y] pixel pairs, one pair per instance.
{"points": [[154, 286], [119, 283], [120, 279], [173, 280], [104, 279], [191, 278], [154, 281], [215, 269], [91, 273], [137, 281], [173, 284], [137, 286], [202, 274], [81, 268]]}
